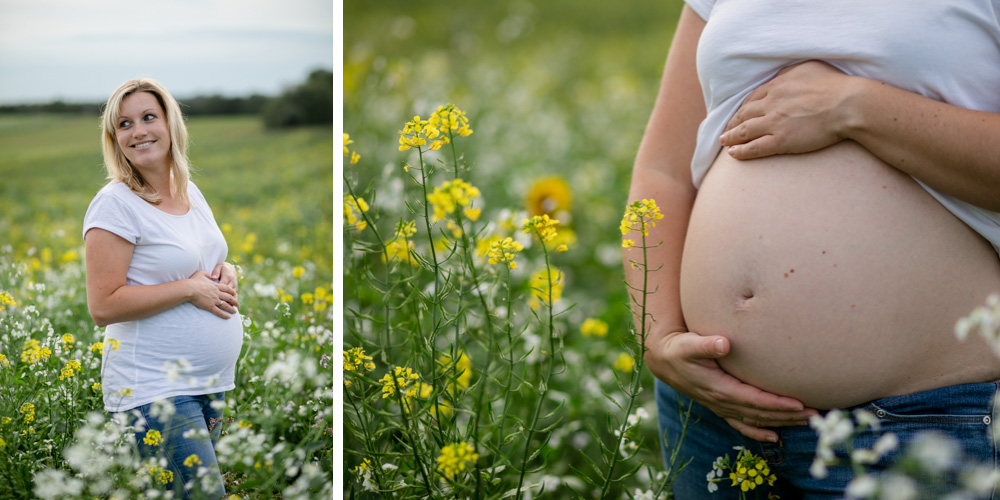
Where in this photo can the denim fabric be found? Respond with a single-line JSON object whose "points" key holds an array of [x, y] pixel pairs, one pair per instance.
{"points": [[963, 412], [191, 413]]}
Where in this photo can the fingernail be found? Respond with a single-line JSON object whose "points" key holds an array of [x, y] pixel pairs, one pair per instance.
{"points": [[719, 347], [732, 151], [772, 439]]}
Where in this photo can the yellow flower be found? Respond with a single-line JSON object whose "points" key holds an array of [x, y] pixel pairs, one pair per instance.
{"points": [[307, 298], [2, 443], [115, 343], [3, 360], [505, 251], [69, 256], [455, 229], [450, 195], [401, 385], [153, 437], [592, 326], [542, 226], [562, 248], [624, 363], [639, 217], [353, 208], [33, 352], [448, 119], [298, 271], [161, 475], [68, 339], [456, 458], [416, 132], [628, 243], [192, 461], [96, 387], [28, 410], [462, 368], [6, 299], [543, 283], [472, 213], [400, 250], [549, 196], [69, 370], [355, 359], [244, 423], [347, 152], [406, 229]]}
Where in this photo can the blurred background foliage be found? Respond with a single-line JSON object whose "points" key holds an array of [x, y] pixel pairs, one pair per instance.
{"points": [[554, 89]]}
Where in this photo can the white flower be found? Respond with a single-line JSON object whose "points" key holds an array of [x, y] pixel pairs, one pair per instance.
{"points": [[980, 480], [867, 418], [642, 495], [935, 451], [861, 487], [885, 444], [896, 487], [818, 469]]}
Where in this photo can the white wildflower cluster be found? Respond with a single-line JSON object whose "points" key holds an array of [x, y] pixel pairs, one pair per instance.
{"points": [[628, 447], [985, 320], [837, 430]]}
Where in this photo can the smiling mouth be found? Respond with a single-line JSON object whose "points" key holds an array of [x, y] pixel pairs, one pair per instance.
{"points": [[143, 145]]}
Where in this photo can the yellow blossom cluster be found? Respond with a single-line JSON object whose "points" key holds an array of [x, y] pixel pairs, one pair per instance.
{"points": [[68, 340], [450, 120], [96, 387], [462, 367], [193, 460], [6, 299], [70, 370], [456, 458], [751, 471], [400, 250], [355, 359], [98, 347], [404, 380], [624, 363], [545, 284], [355, 157], [161, 475], [542, 225], [33, 352], [298, 271], [153, 437], [450, 195], [444, 123], [353, 208], [406, 229], [593, 326], [3, 360], [28, 410], [639, 217], [425, 391], [505, 251]]}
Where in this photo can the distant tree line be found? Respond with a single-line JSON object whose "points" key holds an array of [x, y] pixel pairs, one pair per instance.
{"points": [[309, 103]]}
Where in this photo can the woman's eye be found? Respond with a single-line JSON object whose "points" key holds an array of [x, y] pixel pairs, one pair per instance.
{"points": [[149, 117], [124, 124]]}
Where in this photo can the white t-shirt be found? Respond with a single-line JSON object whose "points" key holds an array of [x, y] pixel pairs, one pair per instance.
{"points": [[181, 351], [947, 50]]}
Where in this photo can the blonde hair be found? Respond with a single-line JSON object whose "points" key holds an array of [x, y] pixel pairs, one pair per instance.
{"points": [[119, 168]]}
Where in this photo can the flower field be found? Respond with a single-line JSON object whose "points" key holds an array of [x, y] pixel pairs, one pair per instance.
{"points": [[270, 192], [489, 349], [488, 341]]}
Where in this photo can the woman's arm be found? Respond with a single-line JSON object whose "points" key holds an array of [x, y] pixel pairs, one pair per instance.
{"points": [[110, 300], [687, 360], [812, 105]]}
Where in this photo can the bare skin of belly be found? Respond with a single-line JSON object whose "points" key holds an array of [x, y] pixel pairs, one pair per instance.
{"points": [[836, 278]]}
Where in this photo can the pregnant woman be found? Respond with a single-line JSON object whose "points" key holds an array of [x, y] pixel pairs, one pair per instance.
{"points": [[829, 174], [158, 280]]}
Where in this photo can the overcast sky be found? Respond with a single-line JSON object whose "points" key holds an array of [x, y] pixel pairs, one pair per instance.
{"points": [[81, 50]]}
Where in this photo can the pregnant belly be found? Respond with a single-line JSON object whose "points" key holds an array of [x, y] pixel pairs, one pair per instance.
{"points": [[836, 278]]}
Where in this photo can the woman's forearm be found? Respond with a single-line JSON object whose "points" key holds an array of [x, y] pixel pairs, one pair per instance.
{"points": [[952, 149], [132, 302]]}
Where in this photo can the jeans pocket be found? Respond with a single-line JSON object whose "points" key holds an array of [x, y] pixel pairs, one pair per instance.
{"points": [[966, 404]]}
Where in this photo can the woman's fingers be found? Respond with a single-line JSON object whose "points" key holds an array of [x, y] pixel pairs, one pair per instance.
{"points": [[752, 432]]}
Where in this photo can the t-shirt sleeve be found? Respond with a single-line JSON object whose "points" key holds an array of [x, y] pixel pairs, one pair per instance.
{"points": [[701, 7], [112, 214]]}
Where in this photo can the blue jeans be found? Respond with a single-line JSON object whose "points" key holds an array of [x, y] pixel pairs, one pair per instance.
{"points": [[962, 412], [195, 416]]}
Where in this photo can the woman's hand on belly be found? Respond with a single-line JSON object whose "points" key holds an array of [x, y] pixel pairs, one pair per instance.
{"points": [[798, 111], [688, 362], [216, 298]]}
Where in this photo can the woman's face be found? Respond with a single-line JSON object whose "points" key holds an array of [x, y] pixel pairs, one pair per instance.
{"points": [[142, 131]]}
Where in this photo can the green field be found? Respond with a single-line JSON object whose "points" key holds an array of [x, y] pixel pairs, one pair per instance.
{"points": [[272, 184], [271, 193]]}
